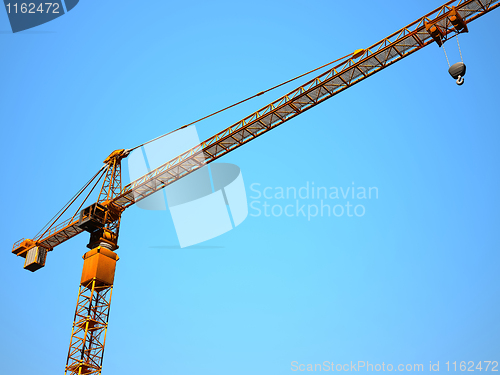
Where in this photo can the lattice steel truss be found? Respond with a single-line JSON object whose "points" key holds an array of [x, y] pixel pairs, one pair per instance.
{"points": [[349, 72], [112, 185], [92, 312], [89, 329]]}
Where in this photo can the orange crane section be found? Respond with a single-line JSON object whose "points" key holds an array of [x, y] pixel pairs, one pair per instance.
{"points": [[102, 219]]}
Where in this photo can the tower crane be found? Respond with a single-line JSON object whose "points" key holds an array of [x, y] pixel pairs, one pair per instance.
{"points": [[102, 218]]}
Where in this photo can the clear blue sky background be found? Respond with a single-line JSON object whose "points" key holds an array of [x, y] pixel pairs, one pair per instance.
{"points": [[414, 280]]}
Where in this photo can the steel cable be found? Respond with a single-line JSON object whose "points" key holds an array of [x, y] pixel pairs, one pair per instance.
{"points": [[240, 102]]}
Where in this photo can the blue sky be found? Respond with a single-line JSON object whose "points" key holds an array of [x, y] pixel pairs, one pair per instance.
{"points": [[415, 279]]}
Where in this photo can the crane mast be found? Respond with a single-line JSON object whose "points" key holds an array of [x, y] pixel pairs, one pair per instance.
{"points": [[102, 219]]}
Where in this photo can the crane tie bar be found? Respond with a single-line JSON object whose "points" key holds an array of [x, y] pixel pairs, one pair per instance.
{"points": [[242, 101]]}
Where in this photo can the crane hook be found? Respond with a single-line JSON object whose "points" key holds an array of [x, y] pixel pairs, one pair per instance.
{"points": [[457, 71]]}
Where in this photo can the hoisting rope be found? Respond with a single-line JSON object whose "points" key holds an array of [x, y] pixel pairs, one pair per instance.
{"points": [[240, 102], [448, 61], [68, 204], [459, 49]]}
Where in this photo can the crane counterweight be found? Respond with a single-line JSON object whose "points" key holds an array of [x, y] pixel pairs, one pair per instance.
{"points": [[35, 258]]}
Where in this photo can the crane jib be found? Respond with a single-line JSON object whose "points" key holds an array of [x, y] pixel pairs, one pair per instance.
{"points": [[450, 19], [351, 71]]}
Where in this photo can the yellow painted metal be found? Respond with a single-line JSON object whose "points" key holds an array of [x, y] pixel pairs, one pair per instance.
{"points": [[358, 53], [99, 264], [23, 246], [457, 21], [114, 155], [90, 324]]}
